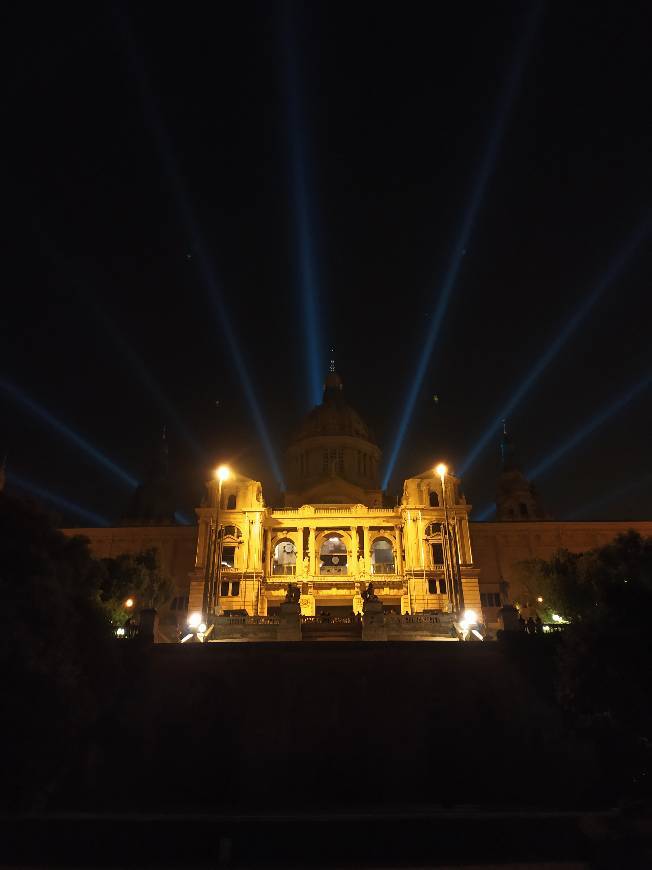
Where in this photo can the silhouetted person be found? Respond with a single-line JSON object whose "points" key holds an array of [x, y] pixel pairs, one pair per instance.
{"points": [[521, 624], [531, 626], [538, 625]]}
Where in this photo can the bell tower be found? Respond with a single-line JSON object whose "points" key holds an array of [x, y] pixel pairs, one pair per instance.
{"points": [[517, 499]]}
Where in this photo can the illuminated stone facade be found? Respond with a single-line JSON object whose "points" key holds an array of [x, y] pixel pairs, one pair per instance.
{"points": [[335, 535]]}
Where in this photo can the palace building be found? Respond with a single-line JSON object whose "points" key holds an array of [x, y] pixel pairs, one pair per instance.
{"points": [[335, 533]]}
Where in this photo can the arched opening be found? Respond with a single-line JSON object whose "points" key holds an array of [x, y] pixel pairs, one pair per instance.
{"points": [[228, 537], [332, 555], [434, 499], [285, 557], [230, 503], [382, 557]]}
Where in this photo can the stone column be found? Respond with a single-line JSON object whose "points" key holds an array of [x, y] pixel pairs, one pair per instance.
{"points": [[399, 550], [353, 566], [367, 558], [299, 545], [311, 551], [268, 553]]}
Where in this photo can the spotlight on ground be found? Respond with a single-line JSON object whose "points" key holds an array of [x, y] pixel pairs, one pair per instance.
{"points": [[58, 501], [307, 273], [204, 260], [613, 272], [469, 217], [66, 432], [601, 417]]}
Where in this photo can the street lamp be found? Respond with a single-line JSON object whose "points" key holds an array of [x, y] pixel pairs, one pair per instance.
{"points": [[222, 473], [129, 603], [455, 582]]}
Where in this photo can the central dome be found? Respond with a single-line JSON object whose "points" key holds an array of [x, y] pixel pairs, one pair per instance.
{"points": [[333, 456], [334, 417]]}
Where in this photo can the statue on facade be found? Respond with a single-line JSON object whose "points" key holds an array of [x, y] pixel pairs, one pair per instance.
{"points": [[293, 594], [306, 565], [361, 565], [369, 595]]}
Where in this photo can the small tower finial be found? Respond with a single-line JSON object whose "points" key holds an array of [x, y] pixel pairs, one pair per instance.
{"points": [[332, 365]]}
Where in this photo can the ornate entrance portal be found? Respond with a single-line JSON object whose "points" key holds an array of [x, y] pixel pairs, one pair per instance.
{"points": [[333, 556]]}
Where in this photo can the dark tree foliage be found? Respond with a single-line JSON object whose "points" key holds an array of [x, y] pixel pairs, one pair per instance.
{"points": [[138, 576], [605, 655], [56, 655]]}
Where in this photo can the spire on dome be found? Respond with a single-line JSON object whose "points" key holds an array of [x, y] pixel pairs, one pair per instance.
{"points": [[333, 383], [508, 451]]}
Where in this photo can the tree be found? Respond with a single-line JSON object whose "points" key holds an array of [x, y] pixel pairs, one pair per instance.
{"points": [[605, 654], [56, 653], [138, 576]]}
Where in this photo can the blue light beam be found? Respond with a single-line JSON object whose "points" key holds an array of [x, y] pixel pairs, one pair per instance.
{"points": [[57, 500], [478, 189], [307, 276], [66, 432], [91, 299], [206, 266], [601, 417], [590, 507], [614, 270]]}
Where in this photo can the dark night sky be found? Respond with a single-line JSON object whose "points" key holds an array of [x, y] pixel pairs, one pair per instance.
{"points": [[397, 108]]}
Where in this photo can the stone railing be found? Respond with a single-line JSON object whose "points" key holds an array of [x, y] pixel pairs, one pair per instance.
{"points": [[383, 568], [280, 570]]}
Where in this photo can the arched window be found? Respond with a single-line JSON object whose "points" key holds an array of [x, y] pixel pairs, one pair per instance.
{"points": [[332, 556], [382, 557], [230, 503], [434, 499], [437, 550], [285, 557], [432, 529], [230, 532]]}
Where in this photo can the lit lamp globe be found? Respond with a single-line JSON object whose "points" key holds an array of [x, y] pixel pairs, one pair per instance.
{"points": [[223, 473], [441, 470]]}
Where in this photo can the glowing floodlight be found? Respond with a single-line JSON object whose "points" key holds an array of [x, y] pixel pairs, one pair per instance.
{"points": [[540, 599], [470, 617], [441, 470], [194, 620], [129, 603], [201, 628]]}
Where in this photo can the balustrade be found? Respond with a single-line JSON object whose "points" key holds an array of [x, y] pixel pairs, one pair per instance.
{"points": [[383, 568], [284, 570]]}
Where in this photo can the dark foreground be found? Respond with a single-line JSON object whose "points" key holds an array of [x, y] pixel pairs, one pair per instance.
{"points": [[253, 755], [397, 838]]}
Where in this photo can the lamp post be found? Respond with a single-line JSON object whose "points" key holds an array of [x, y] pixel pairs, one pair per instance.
{"points": [[455, 582], [214, 555], [223, 473]]}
